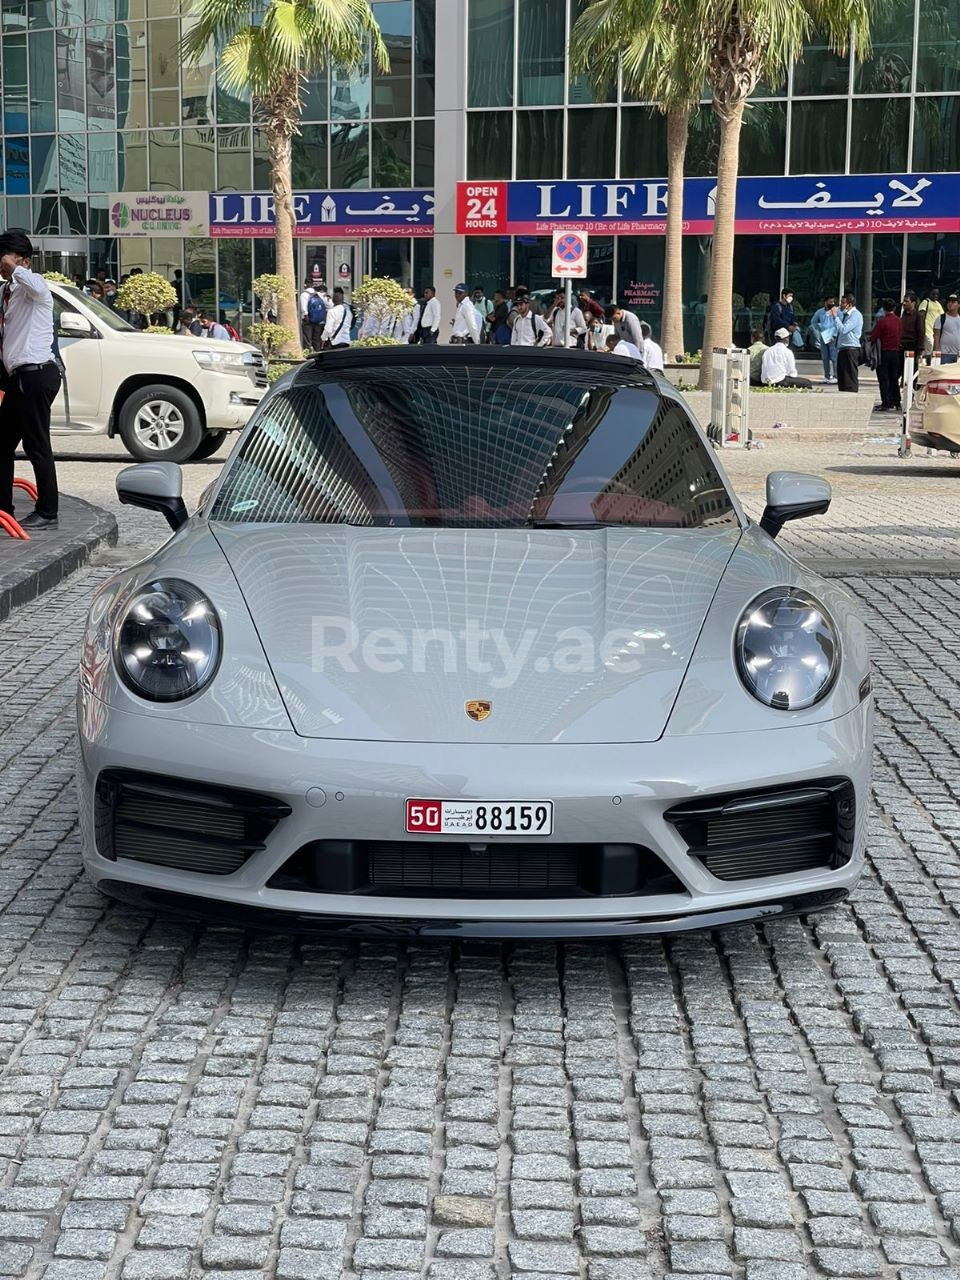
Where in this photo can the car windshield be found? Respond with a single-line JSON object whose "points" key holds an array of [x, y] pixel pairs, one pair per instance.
{"points": [[474, 446], [99, 309]]}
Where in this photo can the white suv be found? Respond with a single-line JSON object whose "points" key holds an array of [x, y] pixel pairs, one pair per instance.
{"points": [[168, 398]]}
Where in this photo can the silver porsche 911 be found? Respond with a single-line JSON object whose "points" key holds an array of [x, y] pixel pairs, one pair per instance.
{"points": [[474, 642]]}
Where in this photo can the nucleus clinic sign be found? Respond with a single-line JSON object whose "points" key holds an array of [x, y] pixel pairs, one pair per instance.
{"points": [[325, 213], [877, 203], [159, 213]]}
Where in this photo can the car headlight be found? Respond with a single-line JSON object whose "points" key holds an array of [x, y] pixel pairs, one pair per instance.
{"points": [[225, 361], [168, 641], [788, 650]]}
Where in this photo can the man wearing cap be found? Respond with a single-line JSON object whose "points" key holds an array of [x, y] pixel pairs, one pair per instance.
{"points": [[466, 323], [779, 366], [529, 330]]}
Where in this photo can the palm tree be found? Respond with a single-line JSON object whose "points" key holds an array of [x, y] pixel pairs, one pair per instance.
{"points": [[749, 41], [270, 58], [656, 63]]}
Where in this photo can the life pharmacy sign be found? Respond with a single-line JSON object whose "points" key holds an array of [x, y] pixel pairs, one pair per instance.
{"points": [[159, 213], [334, 213], [814, 205]]}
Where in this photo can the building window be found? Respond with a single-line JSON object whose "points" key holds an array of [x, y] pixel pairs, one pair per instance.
{"points": [[703, 143], [582, 90], [424, 45], [164, 78], [349, 156], [490, 53], [132, 161], [423, 166], [763, 139], [818, 136], [43, 82], [390, 145], [591, 142], [821, 71], [539, 144], [643, 143], [541, 53], [165, 160], [879, 128], [487, 260], [101, 77], [199, 160], [938, 50], [310, 158], [936, 134], [489, 144], [889, 68], [393, 91]]}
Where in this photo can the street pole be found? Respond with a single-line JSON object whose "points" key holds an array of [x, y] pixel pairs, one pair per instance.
{"points": [[568, 297]]}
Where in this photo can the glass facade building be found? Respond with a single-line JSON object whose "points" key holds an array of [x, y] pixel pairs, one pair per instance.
{"points": [[96, 101]]}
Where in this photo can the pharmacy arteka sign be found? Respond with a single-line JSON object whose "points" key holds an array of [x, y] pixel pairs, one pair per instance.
{"points": [[159, 213], [814, 205], [321, 213]]}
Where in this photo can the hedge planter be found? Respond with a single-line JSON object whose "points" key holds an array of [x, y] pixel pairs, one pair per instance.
{"points": [[807, 411]]}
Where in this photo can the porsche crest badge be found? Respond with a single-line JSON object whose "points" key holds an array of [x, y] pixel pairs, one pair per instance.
{"points": [[478, 708]]}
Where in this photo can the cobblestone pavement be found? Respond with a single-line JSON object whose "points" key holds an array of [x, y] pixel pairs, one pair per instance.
{"points": [[762, 1103]]}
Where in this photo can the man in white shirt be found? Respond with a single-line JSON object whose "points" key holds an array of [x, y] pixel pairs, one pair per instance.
{"points": [[652, 351], [779, 367], [621, 347], [466, 323], [529, 330], [336, 330], [430, 319], [556, 319], [31, 379]]}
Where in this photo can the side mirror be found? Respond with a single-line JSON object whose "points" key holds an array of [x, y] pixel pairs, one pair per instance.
{"points": [[76, 325], [155, 486], [793, 495]]}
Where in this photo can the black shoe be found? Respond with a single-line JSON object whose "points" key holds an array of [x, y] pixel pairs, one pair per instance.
{"points": [[36, 521]]}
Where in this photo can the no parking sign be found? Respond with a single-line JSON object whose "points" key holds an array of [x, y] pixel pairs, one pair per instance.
{"points": [[569, 255]]}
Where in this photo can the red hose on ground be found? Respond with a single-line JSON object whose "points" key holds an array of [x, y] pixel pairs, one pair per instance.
{"points": [[29, 488], [8, 523]]}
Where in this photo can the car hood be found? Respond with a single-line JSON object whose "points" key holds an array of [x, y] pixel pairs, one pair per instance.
{"points": [[387, 634]]}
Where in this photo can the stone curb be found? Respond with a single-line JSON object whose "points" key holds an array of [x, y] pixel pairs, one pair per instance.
{"points": [[28, 569]]}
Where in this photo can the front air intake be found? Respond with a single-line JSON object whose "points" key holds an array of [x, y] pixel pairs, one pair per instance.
{"points": [[169, 822], [779, 832]]}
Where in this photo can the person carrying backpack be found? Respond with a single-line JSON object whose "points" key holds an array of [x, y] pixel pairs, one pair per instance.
{"points": [[314, 321]]}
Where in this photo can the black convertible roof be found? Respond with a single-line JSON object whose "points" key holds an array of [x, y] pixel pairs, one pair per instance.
{"points": [[343, 359]]}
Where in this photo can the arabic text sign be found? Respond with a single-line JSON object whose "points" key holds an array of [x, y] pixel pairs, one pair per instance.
{"points": [[159, 213], [319, 213], [885, 203], [569, 255]]}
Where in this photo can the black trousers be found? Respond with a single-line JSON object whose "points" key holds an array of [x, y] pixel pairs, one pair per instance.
{"points": [[25, 417], [312, 336], [888, 376], [848, 369]]}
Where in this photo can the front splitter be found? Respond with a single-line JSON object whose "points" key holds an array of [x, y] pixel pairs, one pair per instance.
{"points": [[271, 918]]}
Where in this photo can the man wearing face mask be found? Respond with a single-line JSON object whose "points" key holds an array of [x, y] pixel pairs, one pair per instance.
{"points": [[849, 335], [782, 315]]}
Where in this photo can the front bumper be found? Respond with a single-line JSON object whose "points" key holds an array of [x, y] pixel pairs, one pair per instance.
{"points": [[228, 399], [616, 794]]}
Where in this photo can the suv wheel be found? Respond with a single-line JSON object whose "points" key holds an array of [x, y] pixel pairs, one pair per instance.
{"points": [[208, 446], [160, 424]]}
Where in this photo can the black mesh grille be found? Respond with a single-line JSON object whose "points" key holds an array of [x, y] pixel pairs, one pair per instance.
{"points": [[501, 868], [179, 824], [771, 833], [484, 869]]}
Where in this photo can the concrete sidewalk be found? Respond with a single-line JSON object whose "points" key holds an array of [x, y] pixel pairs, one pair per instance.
{"points": [[29, 568]]}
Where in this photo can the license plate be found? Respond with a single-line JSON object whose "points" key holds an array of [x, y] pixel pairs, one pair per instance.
{"points": [[916, 419], [480, 817]]}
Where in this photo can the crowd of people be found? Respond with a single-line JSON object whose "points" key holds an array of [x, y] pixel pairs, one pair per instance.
{"points": [[512, 317], [838, 331]]}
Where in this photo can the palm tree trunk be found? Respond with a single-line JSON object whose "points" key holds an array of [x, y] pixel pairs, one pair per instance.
{"points": [[671, 320], [719, 327], [281, 159]]}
